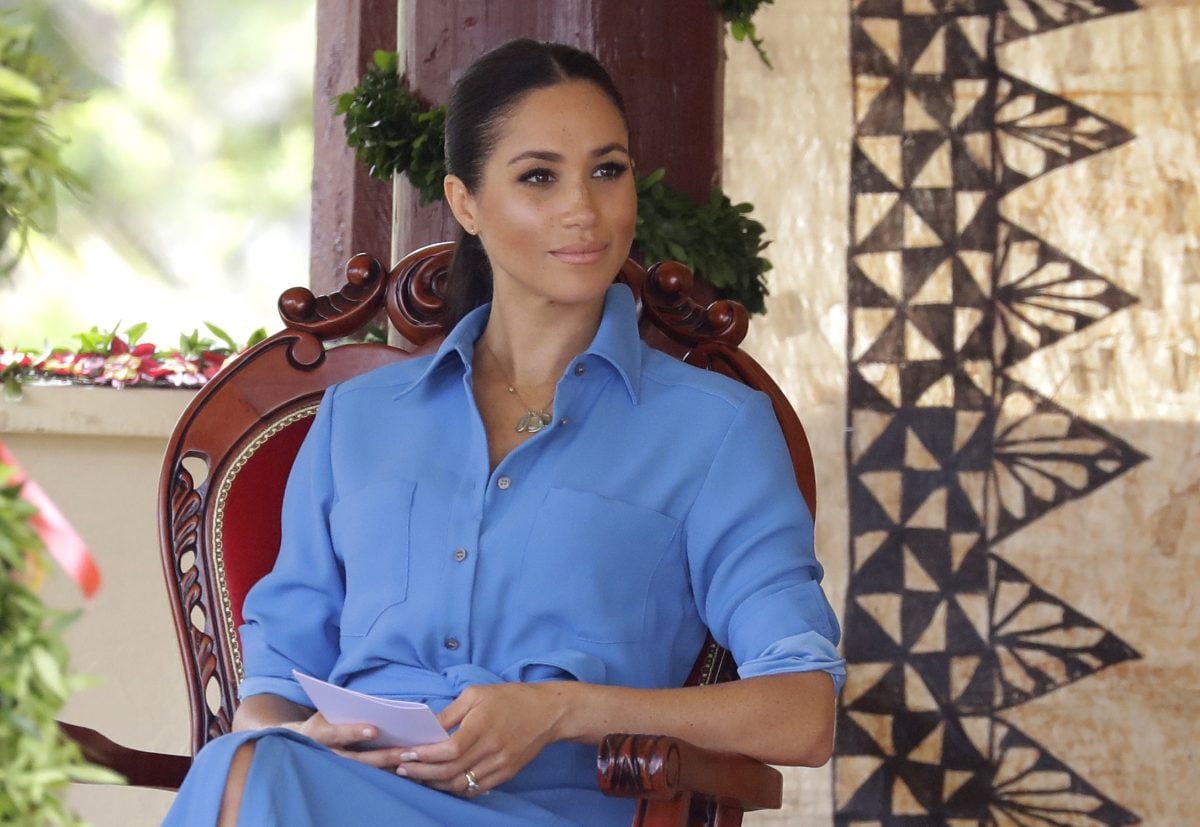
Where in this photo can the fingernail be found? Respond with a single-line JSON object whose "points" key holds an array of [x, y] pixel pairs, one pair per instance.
{"points": [[401, 771], [367, 732], [409, 756]]}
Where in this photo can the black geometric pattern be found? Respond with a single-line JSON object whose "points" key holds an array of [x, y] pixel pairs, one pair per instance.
{"points": [[948, 453], [1038, 132], [1022, 18], [1043, 295]]}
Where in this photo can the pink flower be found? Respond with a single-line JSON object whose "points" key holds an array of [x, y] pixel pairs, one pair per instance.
{"points": [[122, 369]]}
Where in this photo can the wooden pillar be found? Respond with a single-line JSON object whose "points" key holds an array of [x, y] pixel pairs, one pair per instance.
{"points": [[665, 56], [351, 212]]}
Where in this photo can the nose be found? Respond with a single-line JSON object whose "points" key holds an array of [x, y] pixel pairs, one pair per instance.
{"points": [[580, 206]]}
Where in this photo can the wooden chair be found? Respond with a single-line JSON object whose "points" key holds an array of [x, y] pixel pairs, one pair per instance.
{"points": [[222, 484]]}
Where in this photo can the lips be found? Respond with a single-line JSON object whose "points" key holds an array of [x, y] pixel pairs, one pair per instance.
{"points": [[586, 252]]}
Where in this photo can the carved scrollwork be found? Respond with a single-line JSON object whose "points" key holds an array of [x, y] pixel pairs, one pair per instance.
{"points": [[416, 303], [639, 766], [186, 516], [667, 299], [341, 313]]}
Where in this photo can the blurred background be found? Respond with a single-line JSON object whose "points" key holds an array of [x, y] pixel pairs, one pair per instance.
{"points": [[193, 136]]}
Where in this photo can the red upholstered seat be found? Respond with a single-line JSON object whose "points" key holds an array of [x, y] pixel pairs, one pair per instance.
{"points": [[222, 488]]}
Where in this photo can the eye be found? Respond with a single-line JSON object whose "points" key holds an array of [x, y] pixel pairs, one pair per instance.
{"points": [[537, 175], [612, 169]]}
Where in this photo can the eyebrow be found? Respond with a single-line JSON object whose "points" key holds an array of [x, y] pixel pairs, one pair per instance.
{"points": [[554, 157]]}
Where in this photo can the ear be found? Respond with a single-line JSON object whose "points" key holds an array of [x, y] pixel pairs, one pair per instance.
{"points": [[461, 202]]}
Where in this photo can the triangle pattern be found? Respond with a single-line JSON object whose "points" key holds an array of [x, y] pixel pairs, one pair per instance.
{"points": [[916, 579], [917, 232], [917, 117], [976, 31], [1030, 147], [885, 271], [948, 454], [1043, 295], [860, 679], [938, 395], [859, 781], [884, 153], [884, 609], [1025, 18], [933, 60], [1031, 786], [867, 426], [916, 455], [938, 288], [904, 803], [1032, 430], [1044, 644], [871, 210], [885, 34]]}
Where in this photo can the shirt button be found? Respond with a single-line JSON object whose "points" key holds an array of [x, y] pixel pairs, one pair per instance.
{"points": [[451, 643], [580, 369], [563, 421], [503, 483], [460, 554]]}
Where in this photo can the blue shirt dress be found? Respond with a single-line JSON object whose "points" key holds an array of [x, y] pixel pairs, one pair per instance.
{"points": [[660, 503]]}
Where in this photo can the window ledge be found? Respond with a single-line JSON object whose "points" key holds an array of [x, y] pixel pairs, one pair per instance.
{"points": [[84, 410]]}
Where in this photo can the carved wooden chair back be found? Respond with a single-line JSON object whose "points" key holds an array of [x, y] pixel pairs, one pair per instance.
{"points": [[223, 477]]}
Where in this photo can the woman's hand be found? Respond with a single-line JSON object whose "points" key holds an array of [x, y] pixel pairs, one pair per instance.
{"points": [[267, 710], [501, 728], [346, 740]]}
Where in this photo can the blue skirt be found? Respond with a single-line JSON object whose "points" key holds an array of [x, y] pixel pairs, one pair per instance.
{"points": [[294, 781]]}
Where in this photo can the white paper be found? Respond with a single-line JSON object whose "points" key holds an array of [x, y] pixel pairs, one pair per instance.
{"points": [[400, 723]]}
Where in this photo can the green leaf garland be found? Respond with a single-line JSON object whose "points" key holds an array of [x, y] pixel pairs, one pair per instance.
{"points": [[393, 132], [39, 762]]}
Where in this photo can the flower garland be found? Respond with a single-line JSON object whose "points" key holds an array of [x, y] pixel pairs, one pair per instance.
{"points": [[392, 131], [106, 358]]}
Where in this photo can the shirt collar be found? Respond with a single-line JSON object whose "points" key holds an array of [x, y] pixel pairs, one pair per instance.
{"points": [[616, 341]]}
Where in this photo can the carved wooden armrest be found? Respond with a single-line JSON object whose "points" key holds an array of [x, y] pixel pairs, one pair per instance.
{"points": [[660, 768], [141, 769]]}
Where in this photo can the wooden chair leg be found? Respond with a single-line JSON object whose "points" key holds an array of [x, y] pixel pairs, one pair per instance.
{"points": [[728, 816], [672, 813]]}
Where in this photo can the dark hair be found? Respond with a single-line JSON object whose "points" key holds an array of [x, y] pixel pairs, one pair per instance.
{"points": [[485, 94]]}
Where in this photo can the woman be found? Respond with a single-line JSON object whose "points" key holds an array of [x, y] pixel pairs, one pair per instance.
{"points": [[516, 531]]}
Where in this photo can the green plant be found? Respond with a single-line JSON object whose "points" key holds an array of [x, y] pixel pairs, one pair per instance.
{"points": [[716, 239], [30, 150], [739, 15], [38, 761], [393, 132]]}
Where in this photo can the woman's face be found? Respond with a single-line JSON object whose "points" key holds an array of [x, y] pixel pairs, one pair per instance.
{"points": [[556, 205]]}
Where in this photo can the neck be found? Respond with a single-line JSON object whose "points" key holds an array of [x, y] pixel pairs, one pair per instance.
{"points": [[534, 342]]}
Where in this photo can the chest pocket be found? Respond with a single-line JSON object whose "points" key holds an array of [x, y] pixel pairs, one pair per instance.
{"points": [[370, 530], [591, 562]]}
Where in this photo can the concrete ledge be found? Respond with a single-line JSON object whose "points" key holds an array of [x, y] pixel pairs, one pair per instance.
{"points": [[82, 410]]}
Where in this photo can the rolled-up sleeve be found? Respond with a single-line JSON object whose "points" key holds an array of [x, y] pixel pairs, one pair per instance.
{"points": [[292, 614], [754, 573]]}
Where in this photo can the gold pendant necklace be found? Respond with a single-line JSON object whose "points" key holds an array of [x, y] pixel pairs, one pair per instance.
{"points": [[534, 419]]}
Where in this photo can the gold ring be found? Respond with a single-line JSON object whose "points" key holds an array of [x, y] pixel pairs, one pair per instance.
{"points": [[472, 782]]}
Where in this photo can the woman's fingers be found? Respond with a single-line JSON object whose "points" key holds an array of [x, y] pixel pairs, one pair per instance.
{"points": [[488, 774], [384, 759]]}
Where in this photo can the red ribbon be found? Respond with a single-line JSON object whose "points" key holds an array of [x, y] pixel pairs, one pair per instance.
{"points": [[61, 540]]}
